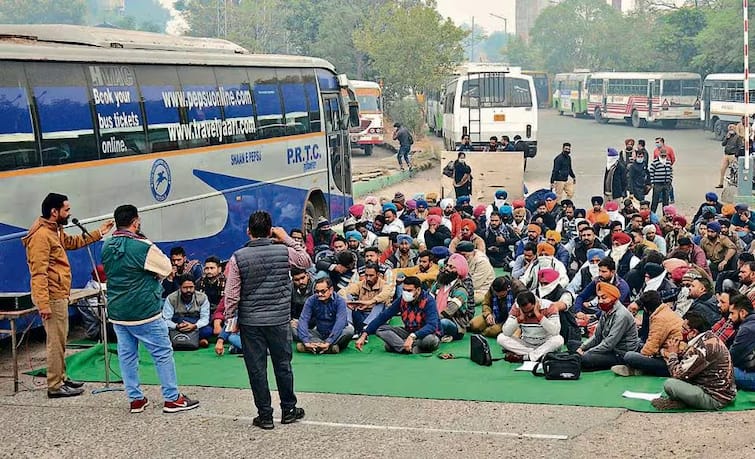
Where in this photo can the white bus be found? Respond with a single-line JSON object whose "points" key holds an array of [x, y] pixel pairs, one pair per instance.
{"points": [[485, 100], [639, 97], [370, 130], [723, 101], [196, 133]]}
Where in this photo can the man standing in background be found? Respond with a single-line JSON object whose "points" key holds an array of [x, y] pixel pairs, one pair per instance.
{"points": [[562, 172]]}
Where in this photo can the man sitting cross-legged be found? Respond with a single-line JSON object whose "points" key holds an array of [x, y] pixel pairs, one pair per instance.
{"points": [[332, 331], [495, 308], [367, 298], [701, 375], [187, 310], [540, 326], [421, 325]]}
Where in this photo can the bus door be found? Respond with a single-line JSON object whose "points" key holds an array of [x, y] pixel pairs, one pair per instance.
{"points": [[652, 91], [339, 154], [604, 104], [705, 107]]}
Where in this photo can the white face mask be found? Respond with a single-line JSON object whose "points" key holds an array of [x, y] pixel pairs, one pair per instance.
{"points": [[462, 160], [594, 270], [407, 296]]}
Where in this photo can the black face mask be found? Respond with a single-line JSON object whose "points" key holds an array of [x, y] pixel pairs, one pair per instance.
{"points": [[446, 277]]}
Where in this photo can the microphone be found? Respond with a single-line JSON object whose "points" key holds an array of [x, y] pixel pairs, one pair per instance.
{"points": [[84, 231]]}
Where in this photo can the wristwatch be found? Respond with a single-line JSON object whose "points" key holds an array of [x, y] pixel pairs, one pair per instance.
{"points": [[412, 336]]}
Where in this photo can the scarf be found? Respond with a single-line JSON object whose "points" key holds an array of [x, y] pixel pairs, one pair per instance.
{"points": [[654, 283], [545, 290], [441, 296], [617, 253], [611, 161]]}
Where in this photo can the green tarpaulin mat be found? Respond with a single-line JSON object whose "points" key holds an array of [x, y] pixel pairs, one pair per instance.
{"points": [[376, 372]]}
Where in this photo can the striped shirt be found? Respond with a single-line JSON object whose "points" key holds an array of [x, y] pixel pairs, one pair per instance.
{"points": [[661, 173]]}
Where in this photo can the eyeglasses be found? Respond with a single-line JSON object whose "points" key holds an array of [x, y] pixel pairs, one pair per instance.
{"points": [[321, 292]]}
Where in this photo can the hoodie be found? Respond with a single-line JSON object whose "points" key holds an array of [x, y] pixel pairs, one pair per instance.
{"points": [[134, 267], [46, 244]]}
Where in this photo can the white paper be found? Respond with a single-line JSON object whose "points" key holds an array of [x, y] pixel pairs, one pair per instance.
{"points": [[526, 366], [641, 395]]}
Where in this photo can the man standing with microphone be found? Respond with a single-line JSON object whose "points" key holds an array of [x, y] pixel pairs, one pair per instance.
{"points": [[46, 244], [258, 296]]}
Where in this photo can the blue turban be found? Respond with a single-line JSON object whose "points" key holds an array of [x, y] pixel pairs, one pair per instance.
{"points": [[592, 253], [422, 203], [711, 196], [506, 210], [440, 252], [354, 235], [501, 194], [462, 199], [390, 206], [404, 238], [550, 195], [714, 226]]}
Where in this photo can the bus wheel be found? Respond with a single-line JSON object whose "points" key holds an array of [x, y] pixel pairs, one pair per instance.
{"points": [[368, 150], [669, 124], [637, 121], [313, 210], [599, 117]]}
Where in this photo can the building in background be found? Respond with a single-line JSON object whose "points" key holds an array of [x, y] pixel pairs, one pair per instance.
{"points": [[525, 15]]}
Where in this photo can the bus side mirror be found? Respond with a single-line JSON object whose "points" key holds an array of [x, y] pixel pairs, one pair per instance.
{"points": [[354, 114]]}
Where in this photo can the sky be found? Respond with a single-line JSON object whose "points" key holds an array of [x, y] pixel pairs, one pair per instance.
{"points": [[461, 11]]}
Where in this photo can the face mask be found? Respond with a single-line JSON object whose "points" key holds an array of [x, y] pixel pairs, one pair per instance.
{"points": [[462, 161], [407, 296], [685, 335], [594, 270], [640, 159], [657, 145], [605, 307]]}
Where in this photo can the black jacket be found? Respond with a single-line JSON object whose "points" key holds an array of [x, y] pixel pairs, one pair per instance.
{"points": [[744, 345], [562, 169], [615, 184]]}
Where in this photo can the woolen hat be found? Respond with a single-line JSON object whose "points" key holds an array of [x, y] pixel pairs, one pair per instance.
{"points": [[465, 247], [653, 269]]}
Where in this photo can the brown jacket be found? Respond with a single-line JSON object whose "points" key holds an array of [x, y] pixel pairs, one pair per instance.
{"points": [[665, 324], [380, 292], [46, 245]]}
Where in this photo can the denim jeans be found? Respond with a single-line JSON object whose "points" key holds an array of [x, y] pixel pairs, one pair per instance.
{"points": [[154, 336], [403, 151], [745, 380], [256, 341], [655, 366], [361, 319], [661, 193], [449, 327], [594, 361]]}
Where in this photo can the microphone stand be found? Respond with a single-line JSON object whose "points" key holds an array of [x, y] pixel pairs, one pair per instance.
{"points": [[102, 306]]}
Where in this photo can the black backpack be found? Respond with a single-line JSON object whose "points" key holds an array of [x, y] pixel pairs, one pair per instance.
{"points": [[479, 351], [559, 366], [448, 171]]}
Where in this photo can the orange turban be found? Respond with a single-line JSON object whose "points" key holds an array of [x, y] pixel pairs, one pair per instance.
{"points": [[610, 290], [728, 210], [555, 235], [469, 224], [602, 219], [535, 228], [545, 249]]}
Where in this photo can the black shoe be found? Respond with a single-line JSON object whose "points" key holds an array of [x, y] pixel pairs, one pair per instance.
{"points": [[64, 391], [292, 415], [266, 424], [73, 384]]}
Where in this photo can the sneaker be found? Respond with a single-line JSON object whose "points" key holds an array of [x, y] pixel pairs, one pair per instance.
{"points": [[624, 370], [334, 349], [446, 339], [664, 404], [292, 416], [183, 403], [513, 358], [263, 423], [73, 384], [234, 350], [65, 391], [137, 406], [719, 186], [355, 336]]}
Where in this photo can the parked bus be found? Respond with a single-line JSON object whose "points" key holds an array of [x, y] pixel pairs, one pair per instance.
{"points": [[434, 112], [638, 97], [485, 100], [542, 87], [722, 101], [370, 130], [196, 133], [570, 94]]}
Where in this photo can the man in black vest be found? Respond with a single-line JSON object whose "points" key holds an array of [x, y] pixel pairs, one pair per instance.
{"points": [[258, 293]]}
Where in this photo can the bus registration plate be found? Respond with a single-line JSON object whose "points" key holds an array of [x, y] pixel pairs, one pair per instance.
{"points": [[687, 113], [499, 117]]}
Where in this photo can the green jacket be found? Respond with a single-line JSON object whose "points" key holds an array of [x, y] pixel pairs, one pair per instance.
{"points": [[134, 267]]}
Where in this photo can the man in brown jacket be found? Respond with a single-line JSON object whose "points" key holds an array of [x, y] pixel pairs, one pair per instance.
{"points": [[46, 244], [665, 325]]}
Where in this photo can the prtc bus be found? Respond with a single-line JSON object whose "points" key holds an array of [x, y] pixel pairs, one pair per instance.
{"points": [[639, 98], [485, 100], [370, 130], [197, 133], [570, 93], [723, 102]]}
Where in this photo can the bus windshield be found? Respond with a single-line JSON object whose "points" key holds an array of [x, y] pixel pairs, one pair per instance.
{"points": [[681, 87], [369, 103], [495, 91]]}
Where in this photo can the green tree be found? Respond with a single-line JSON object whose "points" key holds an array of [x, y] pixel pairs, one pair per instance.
{"points": [[719, 43], [520, 53], [42, 11], [494, 45], [411, 46]]}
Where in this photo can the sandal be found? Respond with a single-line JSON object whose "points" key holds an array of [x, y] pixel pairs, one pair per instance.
{"points": [[446, 356]]}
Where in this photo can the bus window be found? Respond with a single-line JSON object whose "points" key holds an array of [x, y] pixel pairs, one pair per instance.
{"points": [[327, 80], [204, 102], [119, 116], [518, 93], [313, 100], [17, 147], [595, 86], [681, 88], [239, 111], [267, 97], [162, 101], [65, 117], [294, 101]]}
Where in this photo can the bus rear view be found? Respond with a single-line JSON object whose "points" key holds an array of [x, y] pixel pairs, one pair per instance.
{"points": [[370, 130]]}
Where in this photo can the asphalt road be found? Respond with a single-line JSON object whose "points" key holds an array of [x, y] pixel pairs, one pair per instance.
{"points": [[357, 426]]}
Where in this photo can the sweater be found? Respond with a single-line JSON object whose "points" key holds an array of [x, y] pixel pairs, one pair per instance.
{"points": [[665, 324], [330, 318], [616, 332], [419, 317], [562, 168], [660, 173], [744, 344], [534, 332]]}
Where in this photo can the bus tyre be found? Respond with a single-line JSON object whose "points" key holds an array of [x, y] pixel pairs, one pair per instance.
{"points": [[599, 117], [669, 124], [368, 150], [637, 121]]}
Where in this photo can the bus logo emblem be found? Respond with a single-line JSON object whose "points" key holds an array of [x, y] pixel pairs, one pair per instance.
{"points": [[160, 180]]}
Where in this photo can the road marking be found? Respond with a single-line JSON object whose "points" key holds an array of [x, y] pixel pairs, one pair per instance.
{"points": [[538, 436]]}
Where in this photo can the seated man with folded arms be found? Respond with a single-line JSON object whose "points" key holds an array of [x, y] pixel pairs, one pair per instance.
{"points": [[332, 332], [615, 335], [540, 326], [367, 298], [701, 375], [665, 325], [496, 305], [187, 310], [425, 269], [421, 330], [743, 348]]}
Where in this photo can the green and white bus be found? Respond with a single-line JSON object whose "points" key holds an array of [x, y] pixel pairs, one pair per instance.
{"points": [[570, 95]]}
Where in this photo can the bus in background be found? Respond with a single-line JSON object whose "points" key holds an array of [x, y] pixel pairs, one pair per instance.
{"points": [[542, 87], [370, 130], [196, 133], [639, 97], [722, 101], [570, 92], [434, 112], [485, 100]]}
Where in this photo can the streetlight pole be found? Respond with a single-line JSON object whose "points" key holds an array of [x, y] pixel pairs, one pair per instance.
{"points": [[505, 22]]}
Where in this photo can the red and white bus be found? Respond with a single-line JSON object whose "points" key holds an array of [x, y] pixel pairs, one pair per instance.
{"points": [[370, 130], [639, 97]]}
